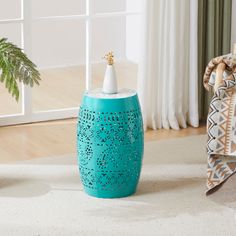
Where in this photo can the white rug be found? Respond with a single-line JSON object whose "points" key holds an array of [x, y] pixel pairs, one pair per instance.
{"points": [[45, 197]]}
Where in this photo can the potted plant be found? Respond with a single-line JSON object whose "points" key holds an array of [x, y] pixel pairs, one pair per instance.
{"points": [[16, 67]]}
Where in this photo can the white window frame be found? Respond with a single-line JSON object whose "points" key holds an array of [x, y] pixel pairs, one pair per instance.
{"points": [[28, 115]]}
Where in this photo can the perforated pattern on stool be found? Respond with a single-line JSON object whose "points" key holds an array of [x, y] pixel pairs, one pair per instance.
{"points": [[110, 148]]}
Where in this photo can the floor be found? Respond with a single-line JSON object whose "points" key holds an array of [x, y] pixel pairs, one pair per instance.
{"points": [[39, 173], [44, 196], [24, 142]]}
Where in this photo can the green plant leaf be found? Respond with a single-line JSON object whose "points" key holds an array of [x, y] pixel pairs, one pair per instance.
{"points": [[16, 67]]}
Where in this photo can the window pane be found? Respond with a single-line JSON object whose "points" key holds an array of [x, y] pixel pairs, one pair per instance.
{"points": [[10, 9], [58, 49], [108, 34], [106, 6], [133, 5], [117, 34], [8, 105], [42, 8], [12, 32]]}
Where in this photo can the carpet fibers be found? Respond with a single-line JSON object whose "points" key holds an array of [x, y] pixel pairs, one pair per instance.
{"points": [[45, 197]]}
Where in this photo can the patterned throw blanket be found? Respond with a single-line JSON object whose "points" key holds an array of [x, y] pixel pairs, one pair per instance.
{"points": [[221, 123]]}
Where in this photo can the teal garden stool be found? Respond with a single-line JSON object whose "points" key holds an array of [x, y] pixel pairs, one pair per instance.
{"points": [[110, 143]]}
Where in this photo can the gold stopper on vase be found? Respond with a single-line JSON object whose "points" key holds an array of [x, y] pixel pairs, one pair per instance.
{"points": [[110, 58]]}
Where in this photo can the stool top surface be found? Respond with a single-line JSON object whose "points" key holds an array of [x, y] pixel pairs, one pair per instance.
{"points": [[122, 93]]}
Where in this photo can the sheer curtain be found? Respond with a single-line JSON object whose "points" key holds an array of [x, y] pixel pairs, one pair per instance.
{"points": [[168, 78]]}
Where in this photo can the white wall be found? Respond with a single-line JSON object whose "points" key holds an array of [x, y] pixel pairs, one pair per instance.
{"points": [[133, 27], [133, 38], [58, 43], [57, 7], [104, 6], [108, 35], [12, 32], [10, 9]]}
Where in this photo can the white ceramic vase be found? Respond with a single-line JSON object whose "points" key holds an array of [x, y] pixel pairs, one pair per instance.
{"points": [[110, 81]]}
